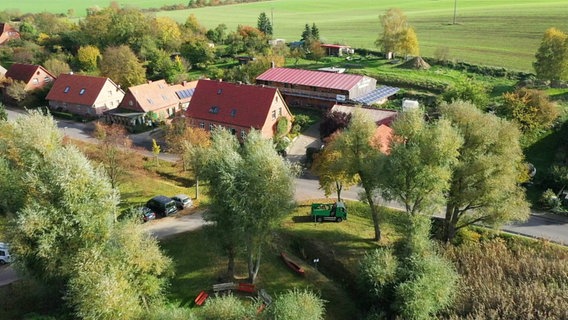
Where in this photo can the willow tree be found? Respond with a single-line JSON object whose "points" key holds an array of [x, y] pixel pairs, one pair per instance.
{"points": [[251, 189], [485, 181], [361, 159], [419, 166]]}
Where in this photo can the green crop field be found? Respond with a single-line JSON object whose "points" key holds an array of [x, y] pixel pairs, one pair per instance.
{"points": [[490, 32]]}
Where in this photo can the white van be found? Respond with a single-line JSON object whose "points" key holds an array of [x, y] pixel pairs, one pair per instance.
{"points": [[5, 253]]}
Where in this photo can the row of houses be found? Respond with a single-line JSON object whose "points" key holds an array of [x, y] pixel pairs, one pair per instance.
{"points": [[205, 103]]}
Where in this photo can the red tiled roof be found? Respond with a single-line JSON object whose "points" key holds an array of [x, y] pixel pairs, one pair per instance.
{"points": [[24, 72], [8, 32], [311, 78], [382, 137], [237, 104], [151, 96], [92, 88]]}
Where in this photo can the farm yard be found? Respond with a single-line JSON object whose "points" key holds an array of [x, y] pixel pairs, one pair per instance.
{"points": [[496, 33]]}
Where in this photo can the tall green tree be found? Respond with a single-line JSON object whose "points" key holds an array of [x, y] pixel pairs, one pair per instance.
{"points": [[418, 169], [315, 32], [359, 158], [221, 169], [484, 185], [264, 24], [552, 56], [253, 186]]}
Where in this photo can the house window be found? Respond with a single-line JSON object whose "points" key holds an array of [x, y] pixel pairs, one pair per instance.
{"points": [[35, 81], [82, 92], [233, 131], [210, 126], [280, 111], [47, 79], [130, 103], [243, 134], [202, 125], [273, 114], [150, 101], [214, 110], [67, 89], [233, 113]]}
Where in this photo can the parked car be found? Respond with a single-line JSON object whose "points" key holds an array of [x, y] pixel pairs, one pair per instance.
{"points": [[5, 253], [162, 205], [147, 214], [182, 201]]}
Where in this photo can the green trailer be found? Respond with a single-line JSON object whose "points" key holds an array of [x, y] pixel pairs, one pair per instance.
{"points": [[329, 212]]}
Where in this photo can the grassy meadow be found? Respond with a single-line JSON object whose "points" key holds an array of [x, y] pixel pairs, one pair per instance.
{"points": [[496, 33]]}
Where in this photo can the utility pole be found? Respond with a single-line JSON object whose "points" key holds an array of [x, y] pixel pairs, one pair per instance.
{"points": [[272, 18], [455, 9]]}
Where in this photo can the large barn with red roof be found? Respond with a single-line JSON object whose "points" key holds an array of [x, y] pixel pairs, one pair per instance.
{"points": [[237, 107], [322, 90]]}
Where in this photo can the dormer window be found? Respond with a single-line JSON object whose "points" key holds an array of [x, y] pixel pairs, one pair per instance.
{"points": [[214, 110], [67, 89], [233, 113], [219, 91], [82, 92], [150, 101]]}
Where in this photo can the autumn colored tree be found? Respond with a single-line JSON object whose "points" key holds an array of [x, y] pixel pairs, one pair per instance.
{"points": [[122, 66], [88, 57], [168, 34], [396, 35], [531, 109], [56, 66], [17, 90], [332, 176], [552, 56], [113, 151]]}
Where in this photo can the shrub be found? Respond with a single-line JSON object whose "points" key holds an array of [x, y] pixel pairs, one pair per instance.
{"points": [[466, 235], [226, 307], [297, 304], [377, 274], [549, 199]]}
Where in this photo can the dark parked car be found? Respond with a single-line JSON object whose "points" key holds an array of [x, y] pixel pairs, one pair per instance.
{"points": [[162, 205], [182, 201]]}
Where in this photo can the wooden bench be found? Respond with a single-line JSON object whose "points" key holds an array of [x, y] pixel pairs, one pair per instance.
{"points": [[201, 297], [246, 287], [224, 286]]}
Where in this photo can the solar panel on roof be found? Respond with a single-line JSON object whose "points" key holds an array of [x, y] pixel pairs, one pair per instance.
{"points": [[377, 94], [186, 93]]}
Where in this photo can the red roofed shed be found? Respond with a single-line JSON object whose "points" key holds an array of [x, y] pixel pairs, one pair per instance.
{"points": [[316, 88]]}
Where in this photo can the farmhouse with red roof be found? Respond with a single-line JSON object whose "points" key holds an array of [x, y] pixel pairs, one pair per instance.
{"points": [[322, 90], [34, 76], [84, 95], [237, 107], [7, 33]]}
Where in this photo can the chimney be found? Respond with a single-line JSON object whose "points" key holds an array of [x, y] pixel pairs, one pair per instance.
{"points": [[184, 83], [272, 64], [71, 72]]}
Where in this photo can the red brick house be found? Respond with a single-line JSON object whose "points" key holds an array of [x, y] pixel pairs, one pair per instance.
{"points": [[84, 95], [237, 107], [34, 76], [7, 33]]}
